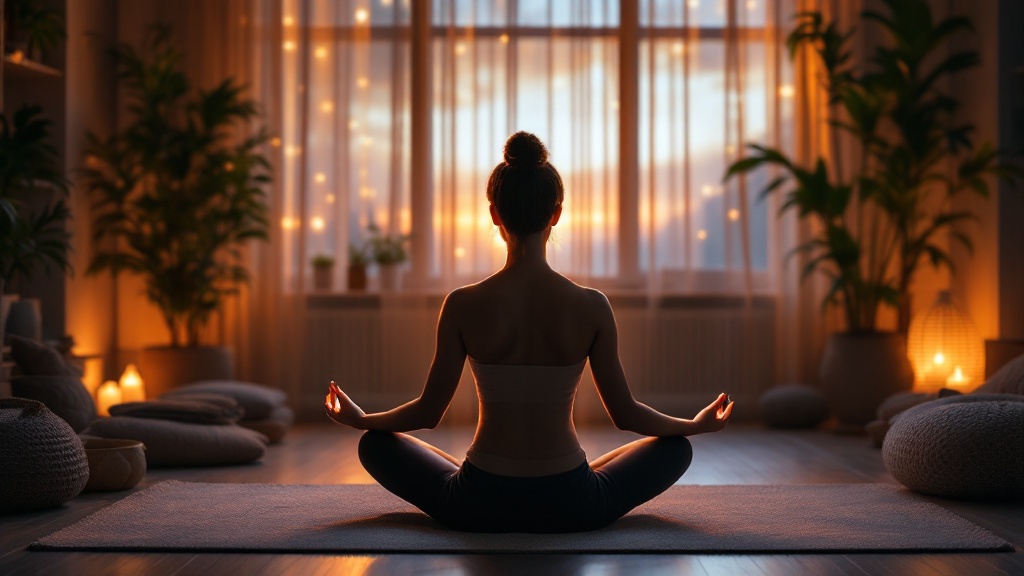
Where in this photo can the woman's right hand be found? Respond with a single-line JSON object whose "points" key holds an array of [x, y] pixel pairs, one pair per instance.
{"points": [[715, 416]]}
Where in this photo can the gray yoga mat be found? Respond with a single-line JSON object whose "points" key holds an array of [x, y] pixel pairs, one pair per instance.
{"points": [[184, 516]]}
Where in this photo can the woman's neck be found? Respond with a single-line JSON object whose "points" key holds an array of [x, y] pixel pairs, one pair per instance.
{"points": [[527, 251]]}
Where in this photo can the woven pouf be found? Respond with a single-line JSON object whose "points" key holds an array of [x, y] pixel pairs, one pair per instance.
{"points": [[43, 461], [792, 406], [969, 446]]}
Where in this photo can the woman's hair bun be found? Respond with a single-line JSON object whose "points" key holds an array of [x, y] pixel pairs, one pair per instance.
{"points": [[525, 149]]}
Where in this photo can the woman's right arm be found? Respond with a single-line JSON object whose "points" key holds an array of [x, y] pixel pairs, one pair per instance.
{"points": [[625, 411]]}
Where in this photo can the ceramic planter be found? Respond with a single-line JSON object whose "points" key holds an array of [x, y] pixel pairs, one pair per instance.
{"points": [[859, 370], [357, 277], [164, 368]]}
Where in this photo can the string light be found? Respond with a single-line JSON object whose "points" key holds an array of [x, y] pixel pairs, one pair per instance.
{"points": [[702, 234], [289, 223], [460, 48], [320, 177], [275, 142], [362, 16], [503, 38], [288, 21], [786, 91], [289, 46], [678, 48], [327, 106], [460, 252], [734, 214], [362, 82], [353, 124], [329, 198], [317, 224], [321, 52], [693, 3]]}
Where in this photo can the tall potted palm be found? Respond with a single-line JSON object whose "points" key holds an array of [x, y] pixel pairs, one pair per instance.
{"points": [[176, 195], [880, 221], [32, 232]]}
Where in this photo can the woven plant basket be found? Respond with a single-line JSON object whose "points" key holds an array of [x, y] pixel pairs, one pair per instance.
{"points": [[44, 463]]}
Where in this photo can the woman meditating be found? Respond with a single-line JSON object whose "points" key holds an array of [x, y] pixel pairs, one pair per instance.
{"points": [[528, 332]]}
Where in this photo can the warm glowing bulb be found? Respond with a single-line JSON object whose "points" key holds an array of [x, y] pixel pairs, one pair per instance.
{"points": [[362, 15], [288, 21], [786, 91], [275, 142], [321, 52], [460, 48], [751, 4], [327, 106], [939, 358], [362, 82], [353, 124], [707, 190], [734, 214], [678, 48], [503, 38], [289, 223], [693, 3], [292, 151], [317, 223], [460, 252], [132, 387], [289, 46], [957, 377], [702, 234], [107, 395], [329, 198], [320, 177], [615, 105]]}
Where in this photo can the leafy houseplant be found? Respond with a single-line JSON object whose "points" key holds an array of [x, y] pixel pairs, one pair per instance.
{"points": [[29, 166], [879, 222], [323, 271], [388, 252], [33, 27], [176, 196]]}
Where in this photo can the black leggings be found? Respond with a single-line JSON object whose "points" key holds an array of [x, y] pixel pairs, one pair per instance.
{"points": [[468, 498]]}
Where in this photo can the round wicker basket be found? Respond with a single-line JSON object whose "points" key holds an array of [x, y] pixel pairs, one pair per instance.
{"points": [[44, 463]]}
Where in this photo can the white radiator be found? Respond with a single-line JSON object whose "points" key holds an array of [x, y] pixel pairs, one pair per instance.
{"points": [[677, 354]]}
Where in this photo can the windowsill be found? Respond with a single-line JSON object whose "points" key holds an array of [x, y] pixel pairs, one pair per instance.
{"points": [[619, 298]]}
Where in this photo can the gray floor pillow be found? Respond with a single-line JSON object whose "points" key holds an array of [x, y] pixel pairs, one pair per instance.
{"points": [[273, 427], [180, 444], [969, 446], [65, 396], [1007, 380], [792, 406], [179, 411], [257, 400]]}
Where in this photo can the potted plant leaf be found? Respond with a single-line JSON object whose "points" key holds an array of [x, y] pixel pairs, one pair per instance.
{"points": [[176, 197], [389, 252], [323, 272], [32, 209], [32, 28], [879, 221]]}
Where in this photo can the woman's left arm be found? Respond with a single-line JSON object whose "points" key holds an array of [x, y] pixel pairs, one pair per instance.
{"points": [[426, 410]]}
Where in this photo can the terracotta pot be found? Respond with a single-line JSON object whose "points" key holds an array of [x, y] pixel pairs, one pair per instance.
{"points": [[166, 368], [859, 370], [114, 464], [357, 277]]}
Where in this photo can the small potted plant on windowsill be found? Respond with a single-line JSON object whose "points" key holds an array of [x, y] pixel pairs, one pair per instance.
{"points": [[357, 261], [323, 273], [388, 251]]}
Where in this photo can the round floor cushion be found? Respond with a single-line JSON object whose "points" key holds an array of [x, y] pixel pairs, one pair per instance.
{"points": [[793, 406], [172, 444], [42, 461], [969, 446]]}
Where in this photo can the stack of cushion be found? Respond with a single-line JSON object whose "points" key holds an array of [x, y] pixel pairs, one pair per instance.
{"points": [[45, 377], [263, 408]]}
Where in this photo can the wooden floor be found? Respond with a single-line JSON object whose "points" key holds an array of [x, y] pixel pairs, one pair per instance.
{"points": [[742, 454]]}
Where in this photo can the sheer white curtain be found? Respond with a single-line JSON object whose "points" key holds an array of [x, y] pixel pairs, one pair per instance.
{"points": [[338, 83]]}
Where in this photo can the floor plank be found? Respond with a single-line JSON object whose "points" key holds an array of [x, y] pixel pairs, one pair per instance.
{"points": [[324, 454]]}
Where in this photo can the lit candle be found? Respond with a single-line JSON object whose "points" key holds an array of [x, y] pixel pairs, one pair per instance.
{"points": [[957, 378], [109, 394], [132, 387]]}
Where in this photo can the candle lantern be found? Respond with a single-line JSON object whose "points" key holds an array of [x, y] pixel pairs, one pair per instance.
{"points": [[132, 387], [107, 395], [945, 349]]}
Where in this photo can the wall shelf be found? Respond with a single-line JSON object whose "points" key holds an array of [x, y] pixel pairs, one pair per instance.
{"points": [[16, 66]]}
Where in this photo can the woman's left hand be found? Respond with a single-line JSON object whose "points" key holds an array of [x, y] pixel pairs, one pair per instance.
{"points": [[341, 408]]}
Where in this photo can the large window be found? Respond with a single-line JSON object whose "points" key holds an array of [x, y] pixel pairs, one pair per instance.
{"points": [[709, 77]]}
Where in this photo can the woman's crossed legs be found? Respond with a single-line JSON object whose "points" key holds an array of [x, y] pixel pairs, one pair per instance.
{"points": [[624, 478]]}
